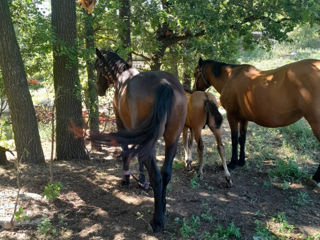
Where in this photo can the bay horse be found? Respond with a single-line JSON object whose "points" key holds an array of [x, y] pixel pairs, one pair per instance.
{"points": [[202, 110], [273, 98], [147, 105]]}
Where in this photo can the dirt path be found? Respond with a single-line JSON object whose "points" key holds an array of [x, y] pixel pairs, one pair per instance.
{"points": [[93, 205]]}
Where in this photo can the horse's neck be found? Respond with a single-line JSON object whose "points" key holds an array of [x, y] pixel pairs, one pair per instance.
{"points": [[128, 74]]}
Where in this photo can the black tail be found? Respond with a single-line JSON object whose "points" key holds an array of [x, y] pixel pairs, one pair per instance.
{"points": [[211, 108], [145, 136]]}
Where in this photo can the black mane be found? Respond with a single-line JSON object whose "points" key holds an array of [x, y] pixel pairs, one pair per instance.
{"points": [[114, 64], [216, 66]]}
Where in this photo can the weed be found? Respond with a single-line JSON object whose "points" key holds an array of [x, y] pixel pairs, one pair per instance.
{"points": [[207, 217], [195, 181], [284, 227], [20, 215], [190, 227], [51, 191], [46, 229], [303, 199], [221, 233], [178, 165], [287, 170], [262, 232]]}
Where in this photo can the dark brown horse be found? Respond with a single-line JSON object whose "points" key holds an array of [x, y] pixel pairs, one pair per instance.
{"points": [[272, 98], [147, 106], [202, 111]]}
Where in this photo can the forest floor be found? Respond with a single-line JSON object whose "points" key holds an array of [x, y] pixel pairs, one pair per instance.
{"points": [[93, 205]]}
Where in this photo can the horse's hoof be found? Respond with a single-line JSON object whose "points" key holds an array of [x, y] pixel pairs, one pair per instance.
{"points": [[188, 165], [229, 182], [156, 227], [232, 165], [125, 183], [145, 186], [314, 183], [241, 163]]}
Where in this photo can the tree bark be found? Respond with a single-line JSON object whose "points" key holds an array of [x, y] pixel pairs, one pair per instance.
{"points": [[24, 121], [125, 28], [66, 82], [92, 96]]}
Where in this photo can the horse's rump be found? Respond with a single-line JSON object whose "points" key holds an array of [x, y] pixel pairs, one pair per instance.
{"points": [[143, 136]]}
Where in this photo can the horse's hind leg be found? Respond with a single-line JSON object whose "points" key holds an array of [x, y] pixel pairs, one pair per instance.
{"points": [[166, 170], [126, 171], [200, 147], [315, 126], [187, 144], [157, 223], [220, 147], [242, 142]]}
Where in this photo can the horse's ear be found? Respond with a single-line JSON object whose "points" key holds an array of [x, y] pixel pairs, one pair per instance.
{"points": [[200, 61], [98, 53]]}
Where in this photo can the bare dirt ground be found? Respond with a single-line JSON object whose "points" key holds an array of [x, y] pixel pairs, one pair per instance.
{"points": [[93, 204]]}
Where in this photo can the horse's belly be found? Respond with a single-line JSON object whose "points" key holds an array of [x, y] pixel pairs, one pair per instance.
{"points": [[274, 120]]}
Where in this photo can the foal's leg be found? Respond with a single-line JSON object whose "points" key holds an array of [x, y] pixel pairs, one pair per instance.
{"points": [[234, 125], [220, 147], [200, 147], [242, 141], [149, 161], [187, 144]]}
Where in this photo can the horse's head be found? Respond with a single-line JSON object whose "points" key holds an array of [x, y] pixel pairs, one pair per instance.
{"points": [[200, 81], [109, 66], [104, 78]]}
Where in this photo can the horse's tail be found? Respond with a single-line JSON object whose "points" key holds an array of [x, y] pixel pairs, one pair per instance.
{"points": [[142, 138], [212, 110]]}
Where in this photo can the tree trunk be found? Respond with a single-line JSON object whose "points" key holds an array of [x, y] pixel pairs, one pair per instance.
{"points": [[24, 121], [91, 91], [125, 28], [66, 82], [3, 158]]}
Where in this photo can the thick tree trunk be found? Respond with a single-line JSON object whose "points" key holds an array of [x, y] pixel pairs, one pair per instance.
{"points": [[24, 121], [125, 28], [66, 81], [92, 96]]}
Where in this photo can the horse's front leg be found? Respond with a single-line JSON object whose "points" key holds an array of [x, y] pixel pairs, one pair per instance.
{"points": [[234, 126], [242, 142]]}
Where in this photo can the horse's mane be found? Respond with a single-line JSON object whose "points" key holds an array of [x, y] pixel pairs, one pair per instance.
{"points": [[216, 66], [115, 64]]}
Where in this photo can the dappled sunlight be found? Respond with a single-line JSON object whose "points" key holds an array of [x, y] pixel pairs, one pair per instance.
{"points": [[89, 230], [129, 198]]}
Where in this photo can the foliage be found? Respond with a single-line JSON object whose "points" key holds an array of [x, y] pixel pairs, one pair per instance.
{"points": [[195, 181], [20, 215], [221, 233], [287, 170], [46, 229], [189, 227], [261, 232], [51, 191]]}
